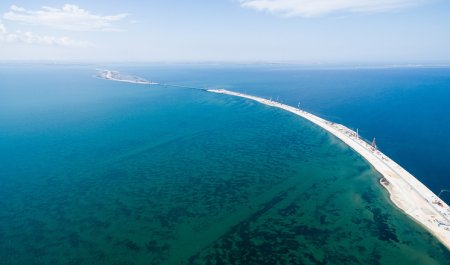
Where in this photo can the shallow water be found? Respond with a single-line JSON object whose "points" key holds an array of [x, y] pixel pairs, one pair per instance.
{"points": [[98, 172]]}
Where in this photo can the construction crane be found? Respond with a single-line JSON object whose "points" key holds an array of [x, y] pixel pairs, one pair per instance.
{"points": [[443, 190], [374, 143]]}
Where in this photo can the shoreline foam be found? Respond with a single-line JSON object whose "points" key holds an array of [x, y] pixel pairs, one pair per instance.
{"points": [[406, 192]]}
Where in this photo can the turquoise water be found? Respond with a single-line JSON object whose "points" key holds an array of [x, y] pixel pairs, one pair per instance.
{"points": [[102, 172], [406, 109]]}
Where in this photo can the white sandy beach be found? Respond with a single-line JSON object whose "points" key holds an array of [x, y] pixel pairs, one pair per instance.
{"points": [[406, 192]]}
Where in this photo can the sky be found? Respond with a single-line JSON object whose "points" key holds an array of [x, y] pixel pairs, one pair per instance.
{"points": [[303, 31]]}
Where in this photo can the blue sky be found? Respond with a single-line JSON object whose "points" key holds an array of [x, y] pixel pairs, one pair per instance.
{"points": [[305, 31]]}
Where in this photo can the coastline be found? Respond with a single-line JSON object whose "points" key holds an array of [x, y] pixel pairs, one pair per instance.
{"points": [[406, 192], [116, 76]]}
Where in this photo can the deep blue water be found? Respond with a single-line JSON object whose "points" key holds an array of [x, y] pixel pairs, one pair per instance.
{"points": [[102, 172]]}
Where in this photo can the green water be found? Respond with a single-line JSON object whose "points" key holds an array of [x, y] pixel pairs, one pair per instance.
{"points": [[126, 174]]}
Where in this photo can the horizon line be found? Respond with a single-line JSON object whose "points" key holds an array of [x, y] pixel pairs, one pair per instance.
{"points": [[362, 64]]}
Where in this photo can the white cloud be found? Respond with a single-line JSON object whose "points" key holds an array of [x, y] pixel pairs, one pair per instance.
{"points": [[69, 17], [2, 28], [315, 8], [32, 38]]}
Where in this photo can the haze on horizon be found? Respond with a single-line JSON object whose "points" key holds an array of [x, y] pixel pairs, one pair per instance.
{"points": [[308, 31]]}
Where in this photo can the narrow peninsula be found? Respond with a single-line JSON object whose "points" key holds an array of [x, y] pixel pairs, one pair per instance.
{"points": [[406, 192]]}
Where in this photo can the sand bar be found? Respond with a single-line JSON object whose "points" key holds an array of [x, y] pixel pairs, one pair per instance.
{"points": [[406, 192], [119, 77]]}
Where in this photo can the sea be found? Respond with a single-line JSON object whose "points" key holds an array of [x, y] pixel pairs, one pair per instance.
{"points": [[95, 171]]}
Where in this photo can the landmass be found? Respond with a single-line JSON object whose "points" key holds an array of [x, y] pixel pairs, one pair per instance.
{"points": [[117, 76], [406, 192]]}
